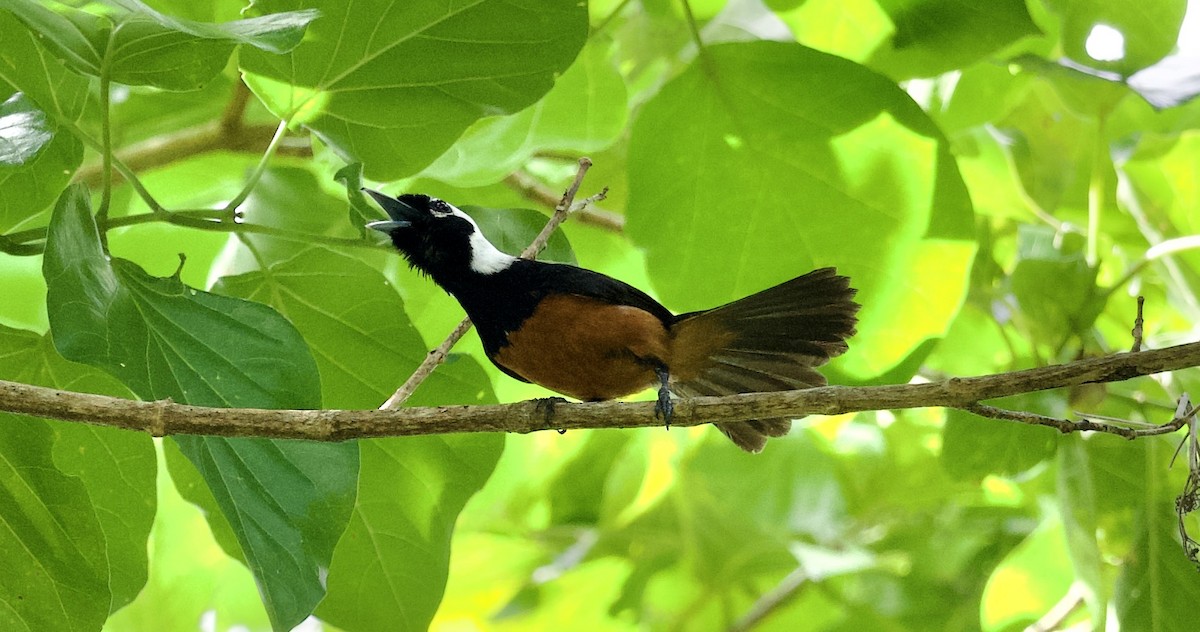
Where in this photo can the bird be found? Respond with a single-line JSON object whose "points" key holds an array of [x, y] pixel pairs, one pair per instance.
{"points": [[588, 336]]}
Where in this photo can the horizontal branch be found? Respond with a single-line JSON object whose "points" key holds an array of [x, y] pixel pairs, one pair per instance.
{"points": [[167, 418]]}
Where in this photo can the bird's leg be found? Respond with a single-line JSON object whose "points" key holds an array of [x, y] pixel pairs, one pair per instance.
{"points": [[546, 406], [664, 408]]}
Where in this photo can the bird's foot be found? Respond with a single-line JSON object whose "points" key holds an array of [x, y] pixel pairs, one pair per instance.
{"points": [[546, 406], [664, 408]]}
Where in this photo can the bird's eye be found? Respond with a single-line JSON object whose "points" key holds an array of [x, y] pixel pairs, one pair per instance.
{"points": [[439, 208]]}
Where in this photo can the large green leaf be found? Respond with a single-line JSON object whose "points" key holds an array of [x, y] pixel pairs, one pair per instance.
{"points": [[974, 447], [739, 181], [28, 67], [934, 36], [1157, 586], [1077, 494], [584, 112], [1030, 580], [36, 160], [390, 567], [136, 45], [1148, 30], [287, 500], [392, 85], [79, 501], [56, 576]]}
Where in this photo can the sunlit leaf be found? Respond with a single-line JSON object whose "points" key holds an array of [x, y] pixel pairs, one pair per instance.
{"points": [[36, 160], [1119, 36], [584, 112], [392, 85], [738, 182], [136, 45]]}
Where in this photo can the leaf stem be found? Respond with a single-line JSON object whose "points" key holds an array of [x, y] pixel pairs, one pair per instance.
{"points": [[106, 150], [694, 29], [1100, 160], [260, 168]]}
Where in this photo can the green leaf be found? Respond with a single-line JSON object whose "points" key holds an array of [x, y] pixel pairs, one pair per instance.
{"points": [[36, 161], [56, 572], [137, 45], [1054, 285], [1148, 30], [361, 210], [513, 229], [28, 67], [1030, 580], [287, 501], [584, 112], [1157, 587], [389, 569], [191, 580], [393, 85], [1077, 494], [974, 447], [739, 181], [935, 36], [87, 477]]}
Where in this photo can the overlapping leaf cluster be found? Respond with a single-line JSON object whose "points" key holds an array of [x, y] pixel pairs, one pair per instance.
{"points": [[997, 187]]}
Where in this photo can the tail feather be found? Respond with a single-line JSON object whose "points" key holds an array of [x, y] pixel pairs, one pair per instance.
{"points": [[769, 341]]}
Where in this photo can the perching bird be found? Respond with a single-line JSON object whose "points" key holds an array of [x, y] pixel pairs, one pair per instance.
{"points": [[589, 336]]}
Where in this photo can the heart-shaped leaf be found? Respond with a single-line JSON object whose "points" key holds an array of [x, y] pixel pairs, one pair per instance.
{"points": [[136, 45], [286, 500], [392, 85], [79, 505], [391, 565], [738, 180]]}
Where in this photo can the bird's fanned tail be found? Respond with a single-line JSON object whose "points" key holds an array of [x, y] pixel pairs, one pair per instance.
{"points": [[769, 341]]}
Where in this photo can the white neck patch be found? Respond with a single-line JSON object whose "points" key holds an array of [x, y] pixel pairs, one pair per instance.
{"points": [[485, 258]]}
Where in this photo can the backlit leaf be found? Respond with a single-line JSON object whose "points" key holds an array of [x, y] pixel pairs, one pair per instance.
{"points": [[392, 85]]}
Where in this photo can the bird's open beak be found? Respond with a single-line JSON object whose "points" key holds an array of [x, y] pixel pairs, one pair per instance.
{"points": [[401, 214]]}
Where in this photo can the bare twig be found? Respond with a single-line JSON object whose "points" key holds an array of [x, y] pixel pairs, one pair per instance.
{"points": [[561, 211], [1137, 326], [1055, 616], [338, 425], [229, 133], [1083, 425], [533, 189], [779, 596]]}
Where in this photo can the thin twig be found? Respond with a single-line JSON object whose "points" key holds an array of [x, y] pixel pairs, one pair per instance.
{"points": [[779, 596], [1137, 326], [1059, 612], [1083, 425], [530, 416], [233, 118], [438, 355], [533, 189]]}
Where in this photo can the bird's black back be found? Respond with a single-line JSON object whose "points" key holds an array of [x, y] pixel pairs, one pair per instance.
{"points": [[500, 302]]}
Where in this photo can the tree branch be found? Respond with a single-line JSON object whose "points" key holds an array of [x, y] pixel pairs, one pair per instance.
{"points": [[168, 418], [534, 190]]}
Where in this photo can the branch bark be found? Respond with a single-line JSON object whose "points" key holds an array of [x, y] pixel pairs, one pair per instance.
{"points": [[168, 418]]}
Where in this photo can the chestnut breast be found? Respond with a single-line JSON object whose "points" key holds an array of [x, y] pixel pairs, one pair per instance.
{"points": [[586, 348]]}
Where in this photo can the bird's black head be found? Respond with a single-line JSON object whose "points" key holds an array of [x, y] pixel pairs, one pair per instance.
{"points": [[437, 238]]}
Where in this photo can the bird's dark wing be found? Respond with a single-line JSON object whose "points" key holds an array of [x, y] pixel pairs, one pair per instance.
{"points": [[560, 278]]}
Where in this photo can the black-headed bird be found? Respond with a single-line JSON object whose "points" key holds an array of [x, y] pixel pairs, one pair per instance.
{"points": [[592, 337]]}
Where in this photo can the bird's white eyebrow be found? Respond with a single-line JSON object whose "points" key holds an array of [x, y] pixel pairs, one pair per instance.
{"points": [[485, 257]]}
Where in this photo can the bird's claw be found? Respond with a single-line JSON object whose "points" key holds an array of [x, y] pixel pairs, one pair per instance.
{"points": [[546, 406], [664, 408]]}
